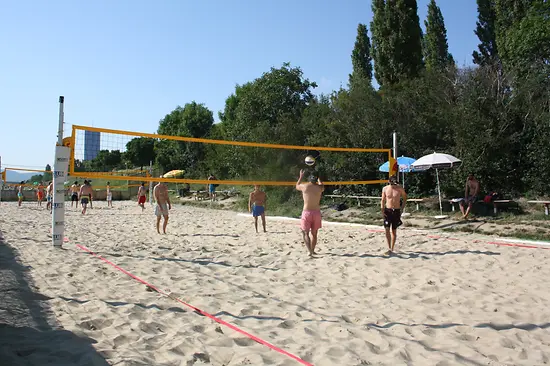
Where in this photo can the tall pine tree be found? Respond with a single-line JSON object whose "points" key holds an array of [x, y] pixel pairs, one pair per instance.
{"points": [[397, 40], [436, 48], [360, 57], [486, 32], [380, 42]]}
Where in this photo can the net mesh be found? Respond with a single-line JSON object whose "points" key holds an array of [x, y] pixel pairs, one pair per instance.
{"points": [[124, 155]]}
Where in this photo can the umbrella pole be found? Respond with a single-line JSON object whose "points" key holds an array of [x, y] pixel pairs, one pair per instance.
{"points": [[439, 192]]}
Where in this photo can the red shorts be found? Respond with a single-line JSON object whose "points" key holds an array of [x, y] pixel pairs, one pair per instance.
{"points": [[40, 195], [311, 220], [142, 199]]}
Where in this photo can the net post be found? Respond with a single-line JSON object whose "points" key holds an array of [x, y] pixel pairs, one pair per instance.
{"points": [[61, 164], [151, 182], [395, 152]]}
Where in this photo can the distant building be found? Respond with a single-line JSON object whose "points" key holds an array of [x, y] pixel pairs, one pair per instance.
{"points": [[91, 144]]}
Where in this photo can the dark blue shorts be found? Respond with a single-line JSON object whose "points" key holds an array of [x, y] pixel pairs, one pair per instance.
{"points": [[257, 210]]}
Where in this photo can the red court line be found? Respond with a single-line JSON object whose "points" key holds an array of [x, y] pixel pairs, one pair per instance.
{"points": [[204, 313]]}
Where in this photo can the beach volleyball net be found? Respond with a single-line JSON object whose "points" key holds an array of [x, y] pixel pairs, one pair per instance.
{"points": [[109, 154]]}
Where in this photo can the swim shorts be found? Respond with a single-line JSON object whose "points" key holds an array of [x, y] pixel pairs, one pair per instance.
{"points": [[392, 218], [212, 188], [161, 209], [469, 200], [74, 197], [20, 195], [40, 195], [257, 210], [109, 197], [141, 199], [48, 198], [311, 220], [84, 200]]}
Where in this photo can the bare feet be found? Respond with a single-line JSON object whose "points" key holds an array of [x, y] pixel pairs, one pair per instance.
{"points": [[389, 252]]}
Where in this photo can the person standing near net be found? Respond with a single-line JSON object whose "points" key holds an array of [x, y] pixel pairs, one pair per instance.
{"points": [[256, 205], [160, 192], [75, 188], [311, 215], [49, 196], [212, 188], [393, 201], [109, 195], [142, 196], [20, 193], [40, 193], [85, 195]]}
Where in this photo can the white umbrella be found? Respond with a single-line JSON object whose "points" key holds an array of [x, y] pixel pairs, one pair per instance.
{"points": [[437, 161]]}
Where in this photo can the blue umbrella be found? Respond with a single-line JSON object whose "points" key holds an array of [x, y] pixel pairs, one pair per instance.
{"points": [[405, 166]]}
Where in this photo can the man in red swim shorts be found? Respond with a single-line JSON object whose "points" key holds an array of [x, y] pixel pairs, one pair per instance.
{"points": [[142, 196], [311, 214]]}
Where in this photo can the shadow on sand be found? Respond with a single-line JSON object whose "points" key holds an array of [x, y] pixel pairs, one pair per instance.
{"points": [[29, 334], [412, 255]]}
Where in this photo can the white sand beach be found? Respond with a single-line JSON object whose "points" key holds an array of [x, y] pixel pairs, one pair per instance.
{"points": [[448, 300]]}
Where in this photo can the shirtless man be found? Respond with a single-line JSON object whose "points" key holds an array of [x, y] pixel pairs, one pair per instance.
{"points": [[49, 196], [311, 214], [20, 193], [256, 205], [85, 195], [142, 196], [75, 188], [109, 195], [40, 193], [212, 188], [393, 201], [470, 195], [163, 204]]}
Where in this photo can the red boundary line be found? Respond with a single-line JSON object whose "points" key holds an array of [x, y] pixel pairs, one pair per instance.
{"points": [[199, 311]]}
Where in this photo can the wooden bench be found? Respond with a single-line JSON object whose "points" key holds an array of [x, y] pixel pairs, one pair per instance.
{"points": [[417, 201], [546, 206], [358, 198], [497, 203], [453, 201]]}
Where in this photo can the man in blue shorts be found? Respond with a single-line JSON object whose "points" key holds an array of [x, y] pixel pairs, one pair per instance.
{"points": [[212, 188], [256, 205]]}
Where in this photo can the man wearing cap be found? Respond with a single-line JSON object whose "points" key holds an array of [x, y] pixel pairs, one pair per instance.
{"points": [[393, 201]]}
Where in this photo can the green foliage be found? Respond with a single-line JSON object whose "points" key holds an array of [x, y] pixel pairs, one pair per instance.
{"points": [[36, 179], [485, 31], [193, 120], [106, 161], [140, 151], [48, 177], [436, 48], [397, 41], [361, 58]]}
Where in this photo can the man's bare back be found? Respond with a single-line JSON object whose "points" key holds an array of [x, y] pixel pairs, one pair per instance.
{"points": [[86, 190], [312, 193]]}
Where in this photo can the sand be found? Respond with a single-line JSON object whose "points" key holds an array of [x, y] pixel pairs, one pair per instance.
{"points": [[441, 301]]}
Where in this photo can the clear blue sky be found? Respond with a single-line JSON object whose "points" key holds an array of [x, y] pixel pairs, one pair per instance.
{"points": [[125, 64]]}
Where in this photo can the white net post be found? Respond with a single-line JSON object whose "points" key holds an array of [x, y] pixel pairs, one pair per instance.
{"points": [[60, 168]]}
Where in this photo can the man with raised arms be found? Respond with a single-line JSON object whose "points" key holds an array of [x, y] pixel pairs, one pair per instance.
{"points": [[85, 195], [311, 215], [393, 201], [256, 205], [160, 192]]}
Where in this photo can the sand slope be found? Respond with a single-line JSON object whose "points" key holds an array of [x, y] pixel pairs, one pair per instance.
{"points": [[439, 302]]}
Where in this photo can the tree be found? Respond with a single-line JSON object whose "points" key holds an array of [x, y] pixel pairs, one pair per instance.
{"points": [[436, 48], [140, 151], [360, 57], [397, 41], [380, 46], [48, 175], [36, 179], [485, 31], [106, 161], [193, 120]]}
